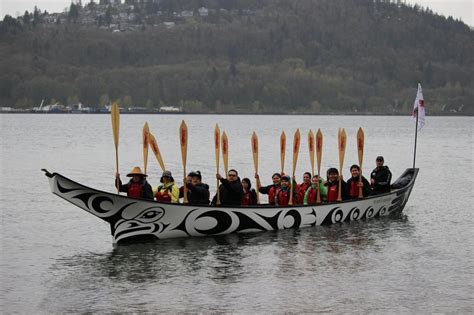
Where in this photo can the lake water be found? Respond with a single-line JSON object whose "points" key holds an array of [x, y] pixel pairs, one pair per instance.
{"points": [[56, 258]]}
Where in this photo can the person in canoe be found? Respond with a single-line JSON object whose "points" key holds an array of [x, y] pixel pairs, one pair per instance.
{"points": [[269, 190], [301, 188], [168, 192], [230, 189], [332, 185], [250, 195], [137, 187], [282, 197], [310, 197], [198, 192], [353, 184], [380, 177]]}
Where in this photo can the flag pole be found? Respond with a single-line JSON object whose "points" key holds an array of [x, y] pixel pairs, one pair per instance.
{"points": [[416, 133]]}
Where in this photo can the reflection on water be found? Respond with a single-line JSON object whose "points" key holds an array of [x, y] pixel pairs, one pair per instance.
{"points": [[201, 263]]}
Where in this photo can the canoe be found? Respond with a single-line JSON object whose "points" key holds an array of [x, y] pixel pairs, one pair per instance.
{"points": [[139, 219]]}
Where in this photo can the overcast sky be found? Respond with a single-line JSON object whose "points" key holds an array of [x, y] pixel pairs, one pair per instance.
{"points": [[462, 9]]}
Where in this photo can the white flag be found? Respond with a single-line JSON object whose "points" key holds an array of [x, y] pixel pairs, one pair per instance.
{"points": [[419, 106]]}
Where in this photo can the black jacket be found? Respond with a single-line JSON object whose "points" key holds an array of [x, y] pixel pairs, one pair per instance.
{"points": [[147, 191], [382, 177], [366, 189], [198, 194], [230, 193]]}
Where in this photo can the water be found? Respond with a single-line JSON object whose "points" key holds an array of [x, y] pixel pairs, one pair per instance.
{"points": [[55, 258]]}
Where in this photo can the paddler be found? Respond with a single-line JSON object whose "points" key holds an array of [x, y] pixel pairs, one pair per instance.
{"points": [[311, 194], [332, 185], [137, 187], [353, 183], [269, 190], [167, 192]]}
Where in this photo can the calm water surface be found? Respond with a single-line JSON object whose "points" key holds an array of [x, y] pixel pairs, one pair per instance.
{"points": [[57, 258]]}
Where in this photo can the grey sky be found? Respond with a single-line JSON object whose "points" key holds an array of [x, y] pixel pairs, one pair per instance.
{"points": [[462, 9]]}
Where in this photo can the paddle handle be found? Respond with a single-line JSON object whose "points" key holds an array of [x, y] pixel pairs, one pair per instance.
{"points": [[117, 166]]}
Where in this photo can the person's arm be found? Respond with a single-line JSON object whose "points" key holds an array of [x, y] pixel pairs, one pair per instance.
{"points": [[148, 191], [264, 190], [366, 188], [305, 199]]}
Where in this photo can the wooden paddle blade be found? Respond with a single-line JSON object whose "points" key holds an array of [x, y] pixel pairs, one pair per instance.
{"points": [[360, 146], [319, 148], [183, 139], [115, 114], [296, 148], [217, 144], [156, 151], [282, 151], [145, 136], [225, 151], [311, 150], [254, 142], [342, 147]]}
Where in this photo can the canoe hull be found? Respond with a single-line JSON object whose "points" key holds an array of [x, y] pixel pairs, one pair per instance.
{"points": [[144, 219]]}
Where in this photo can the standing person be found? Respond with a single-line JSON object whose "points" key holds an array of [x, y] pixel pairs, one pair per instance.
{"points": [[380, 177], [249, 197], [230, 189], [137, 187], [167, 192], [353, 184], [310, 197], [301, 188], [282, 197], [269, 190], [332, 185], [198, 192]]}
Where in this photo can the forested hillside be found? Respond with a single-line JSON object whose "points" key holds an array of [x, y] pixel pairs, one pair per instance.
{"points": [[274, 56]]}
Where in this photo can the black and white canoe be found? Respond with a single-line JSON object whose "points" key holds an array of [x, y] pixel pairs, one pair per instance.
{"points": [[139, 219]]}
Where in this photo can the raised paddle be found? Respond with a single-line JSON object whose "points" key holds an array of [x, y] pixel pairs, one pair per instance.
{"points": [[360, 151], [341, 137], [254, 142], [319, 152], [217, 146], [145, 134], [311, 150], [156, 150], [296, 149], [282, 151], [183, 139], [225, 152], [115, 114]]}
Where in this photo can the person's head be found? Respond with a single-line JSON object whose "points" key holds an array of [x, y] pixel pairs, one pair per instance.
{"points": [[276, 178], [379, 161], [332, 174], [136, 174], [285, 181], [232, 175], [246, 184], [195, 177], [166, 177], [307, 177], [355, 170], [315, 181]]}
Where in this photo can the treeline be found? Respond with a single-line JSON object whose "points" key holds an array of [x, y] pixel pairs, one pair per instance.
{"points": [[257, 56]]}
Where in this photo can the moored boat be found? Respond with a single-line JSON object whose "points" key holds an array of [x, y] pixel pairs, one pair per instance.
{"points": [[139, 219]]}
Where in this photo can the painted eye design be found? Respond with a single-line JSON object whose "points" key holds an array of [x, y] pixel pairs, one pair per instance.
{"points": [[150, 215]]}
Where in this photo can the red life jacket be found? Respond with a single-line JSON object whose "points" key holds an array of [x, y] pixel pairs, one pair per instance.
{"points": [[301, 191], [246, 199], [354, 189], [282, 198], [312, 195], [271, 194], [332, 192], [135, 190], [163, 196]]}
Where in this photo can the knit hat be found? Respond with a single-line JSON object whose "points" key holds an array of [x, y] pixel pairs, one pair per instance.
{"points": [[196, 174]]}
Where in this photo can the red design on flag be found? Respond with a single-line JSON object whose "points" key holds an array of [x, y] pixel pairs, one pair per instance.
{"points": [[419, 108]]}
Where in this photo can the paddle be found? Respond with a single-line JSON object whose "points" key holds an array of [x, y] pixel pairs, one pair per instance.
{"points": [[319, 152], [360, 151], [145, 134], [115, 114], [296, 149], [183, 137], [311, 150], [254, 142], [282, 151], [225, 152], [341, 137], [217, 144], [156, 150]]}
